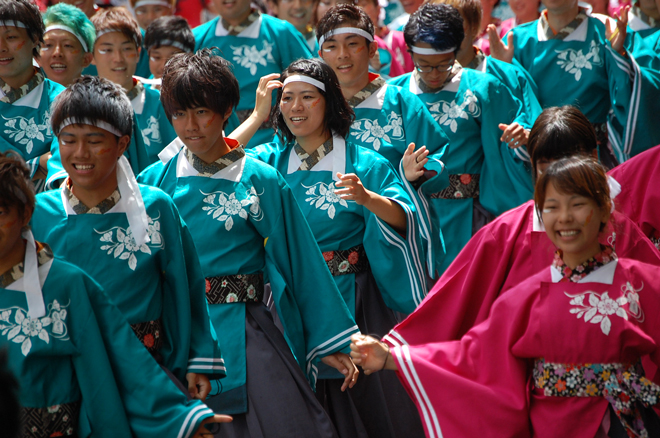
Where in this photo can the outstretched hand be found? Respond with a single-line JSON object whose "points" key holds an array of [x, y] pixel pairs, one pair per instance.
{"points": [[414, 162], [514, 134], [342, 362], [203, 432], [499, 50], [371, 354]]}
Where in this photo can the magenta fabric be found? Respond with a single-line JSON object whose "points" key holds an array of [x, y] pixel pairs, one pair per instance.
{"points": [[397, 44], [500, 256], [480, 385], [395, 67], [640, 191]]}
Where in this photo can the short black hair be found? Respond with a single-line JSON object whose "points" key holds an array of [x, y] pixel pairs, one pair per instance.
{"points": [[202, 79], [10, 417], [26, 12], [164, 31], [95, 98], [342, 15], [439, 25], [560, 132], [338, 114], [16, 188]]}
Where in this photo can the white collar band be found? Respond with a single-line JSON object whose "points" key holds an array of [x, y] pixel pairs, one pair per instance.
{"points": [[431, 50], [301, 78], [85, 121], [71, 31], [33, 293], [12, 23], [135, 210], [341, 30]]}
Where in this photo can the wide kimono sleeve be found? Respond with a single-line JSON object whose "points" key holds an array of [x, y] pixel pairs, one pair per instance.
{"points": [[520, 83], [624, 80], [315, 317], [396, 260], [154, 405], [639, 199], [192, 344], [102, 410], [505, 181], [474, 386], [465, 293], [291, 45]]}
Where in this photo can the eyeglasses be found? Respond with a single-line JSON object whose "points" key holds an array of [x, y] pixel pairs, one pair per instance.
{"points": [[441, 68]]}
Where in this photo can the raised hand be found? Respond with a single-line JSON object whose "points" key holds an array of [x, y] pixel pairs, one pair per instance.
{"points": [[514, 134], [414, 162], [618, 37], [499, 50]]}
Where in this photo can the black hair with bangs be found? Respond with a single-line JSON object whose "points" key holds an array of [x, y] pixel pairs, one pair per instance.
{"points": [[170, 28], [338, 114], [26, 12], [95, 98], [203, 79]]}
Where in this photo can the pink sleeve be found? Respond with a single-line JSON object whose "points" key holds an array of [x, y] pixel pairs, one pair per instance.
{"points": [[465, 388]]}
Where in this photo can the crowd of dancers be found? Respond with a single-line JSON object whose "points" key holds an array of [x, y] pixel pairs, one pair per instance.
{"points": [[329, 219]]}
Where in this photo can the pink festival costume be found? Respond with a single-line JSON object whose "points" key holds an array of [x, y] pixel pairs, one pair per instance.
{"points": [[640, 198], [547, 361], [500, 256]]}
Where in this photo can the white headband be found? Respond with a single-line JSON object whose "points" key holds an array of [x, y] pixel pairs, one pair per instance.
{"points": [[110, 30], [431, 51], [12, 23], [176, 44], [300, 78], [71, 31], [85, 121], [152, 2], [341, 30]]}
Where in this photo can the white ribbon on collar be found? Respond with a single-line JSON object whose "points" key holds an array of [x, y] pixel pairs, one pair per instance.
{"points": [[302, 78], [71, 31], [35, 298], [135, 210], [615, 190], [341, 30]]}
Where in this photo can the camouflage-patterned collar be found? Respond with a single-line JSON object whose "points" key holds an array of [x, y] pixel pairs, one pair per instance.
{"points": [[235, 30], [479, 57], [210, 169], [567, 30], [367, 91], [426, 89], [79, 208], [136, 90], [637, 12], [11, 95], [44, 254], [310, 160]]}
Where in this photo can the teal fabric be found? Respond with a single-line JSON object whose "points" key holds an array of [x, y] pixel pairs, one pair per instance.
{"points": [[251, 223], [160, 279], [278, 45]]}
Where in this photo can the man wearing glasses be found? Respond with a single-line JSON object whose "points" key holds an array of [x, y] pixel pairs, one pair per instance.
{"points": [[486, 176]]}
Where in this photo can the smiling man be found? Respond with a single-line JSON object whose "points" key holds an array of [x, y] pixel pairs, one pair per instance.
{"points": [[25, 93], [256, 44], [116, 53], [299, 13], [68, 43], [388, 118], [486, 176]]}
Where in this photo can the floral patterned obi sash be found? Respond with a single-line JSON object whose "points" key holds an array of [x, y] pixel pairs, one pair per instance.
{"points": [[241, 288], [150, 333], [461, 186], [58, 420], [622, 385], [348, 261]]}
